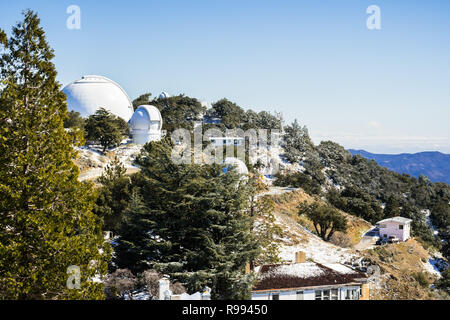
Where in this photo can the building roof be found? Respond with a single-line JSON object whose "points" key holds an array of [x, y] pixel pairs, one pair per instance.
{"points": [[226, 138], [92, 92], [396, 219], [307, 274]]}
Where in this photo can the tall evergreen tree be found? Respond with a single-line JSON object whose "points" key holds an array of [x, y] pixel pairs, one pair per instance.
{"points": [[113, 195], [179, 112], [230, 113], [46, 223], [392, 208], [201, 223], [296, 142], [137, 245], [106, 128], [143, 99]]}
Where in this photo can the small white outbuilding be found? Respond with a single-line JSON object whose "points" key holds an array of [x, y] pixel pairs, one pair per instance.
{"points": [[235, 163], [146, 124], [399, 227], [164, 95]]}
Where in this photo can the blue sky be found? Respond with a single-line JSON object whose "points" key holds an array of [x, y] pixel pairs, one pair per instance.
{"points": [[382, 90]]}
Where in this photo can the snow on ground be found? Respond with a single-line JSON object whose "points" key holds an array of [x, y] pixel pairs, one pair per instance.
{"points": [[431, 267], [427, 214], [276, 191], [96, 162], [313, 246], [90, 174], [138, 295], [127, 153]]}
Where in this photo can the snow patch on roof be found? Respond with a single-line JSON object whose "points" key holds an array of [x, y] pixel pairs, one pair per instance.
{"points": [[396, 219], [339, 268], [298, 270]]}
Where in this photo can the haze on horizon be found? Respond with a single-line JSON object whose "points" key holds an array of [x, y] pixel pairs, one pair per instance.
{"points": [[384, 91]]}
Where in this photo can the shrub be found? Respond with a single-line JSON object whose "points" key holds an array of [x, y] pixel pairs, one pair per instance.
{"points": [[421, 278]]}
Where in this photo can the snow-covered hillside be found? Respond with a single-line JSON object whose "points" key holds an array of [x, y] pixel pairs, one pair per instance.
{"points": [[298, 238], [92, 162]]}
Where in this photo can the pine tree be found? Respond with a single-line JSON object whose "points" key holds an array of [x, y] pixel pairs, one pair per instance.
{"points": [[296, 142], [113, 195], [46, 223], [392, 208], [105, 128], [137, 244], [201, 222]]}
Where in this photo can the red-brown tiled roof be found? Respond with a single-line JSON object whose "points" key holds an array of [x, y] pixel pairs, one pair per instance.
{"points": [[308, 274]]}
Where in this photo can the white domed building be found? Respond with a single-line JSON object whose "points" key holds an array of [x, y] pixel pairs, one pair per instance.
{"points": [[91, 93], [163, 95], [146, 124], [235, 163]]}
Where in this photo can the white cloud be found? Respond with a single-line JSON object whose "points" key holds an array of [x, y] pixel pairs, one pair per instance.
{"points": [[374, 124], [387, 143]]}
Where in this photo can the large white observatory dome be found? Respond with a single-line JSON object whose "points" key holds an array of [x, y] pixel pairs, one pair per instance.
{"points": [[146, 124], [91, 93]]}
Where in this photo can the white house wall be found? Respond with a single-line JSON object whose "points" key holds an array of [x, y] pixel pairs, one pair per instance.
{"points": [[307, 294], [284, 295], [392, 229]]}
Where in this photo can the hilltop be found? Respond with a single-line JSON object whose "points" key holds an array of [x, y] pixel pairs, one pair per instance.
{"points": [[434, 165], [358, 189]]}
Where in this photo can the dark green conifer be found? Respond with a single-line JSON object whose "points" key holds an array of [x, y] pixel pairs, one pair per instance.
{"points": [[46, 223]]}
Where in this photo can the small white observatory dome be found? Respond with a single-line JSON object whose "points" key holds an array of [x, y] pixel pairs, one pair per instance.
{"points": [[91, 93], [146, 124], [240, 166], [163, 95]]}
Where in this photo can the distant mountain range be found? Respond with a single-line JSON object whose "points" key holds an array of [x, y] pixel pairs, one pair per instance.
{"points": [[434, 165]]}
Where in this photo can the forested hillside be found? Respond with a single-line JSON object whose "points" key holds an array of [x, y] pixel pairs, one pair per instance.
{"points": [[362, 187], [434, 165]]}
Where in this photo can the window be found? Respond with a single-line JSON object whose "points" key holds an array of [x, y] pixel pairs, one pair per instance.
{"points": [[334, 294], [318, 294], [275, 296], [348, 295], [300, 295], [400, 227], [326, 294]]}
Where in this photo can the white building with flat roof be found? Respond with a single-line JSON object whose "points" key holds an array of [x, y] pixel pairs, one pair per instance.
{"points": [[227, 141], [398, 227]]}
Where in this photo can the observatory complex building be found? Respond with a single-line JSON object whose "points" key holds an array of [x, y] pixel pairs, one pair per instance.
{"points": [[92, 92], [146, 124]]}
